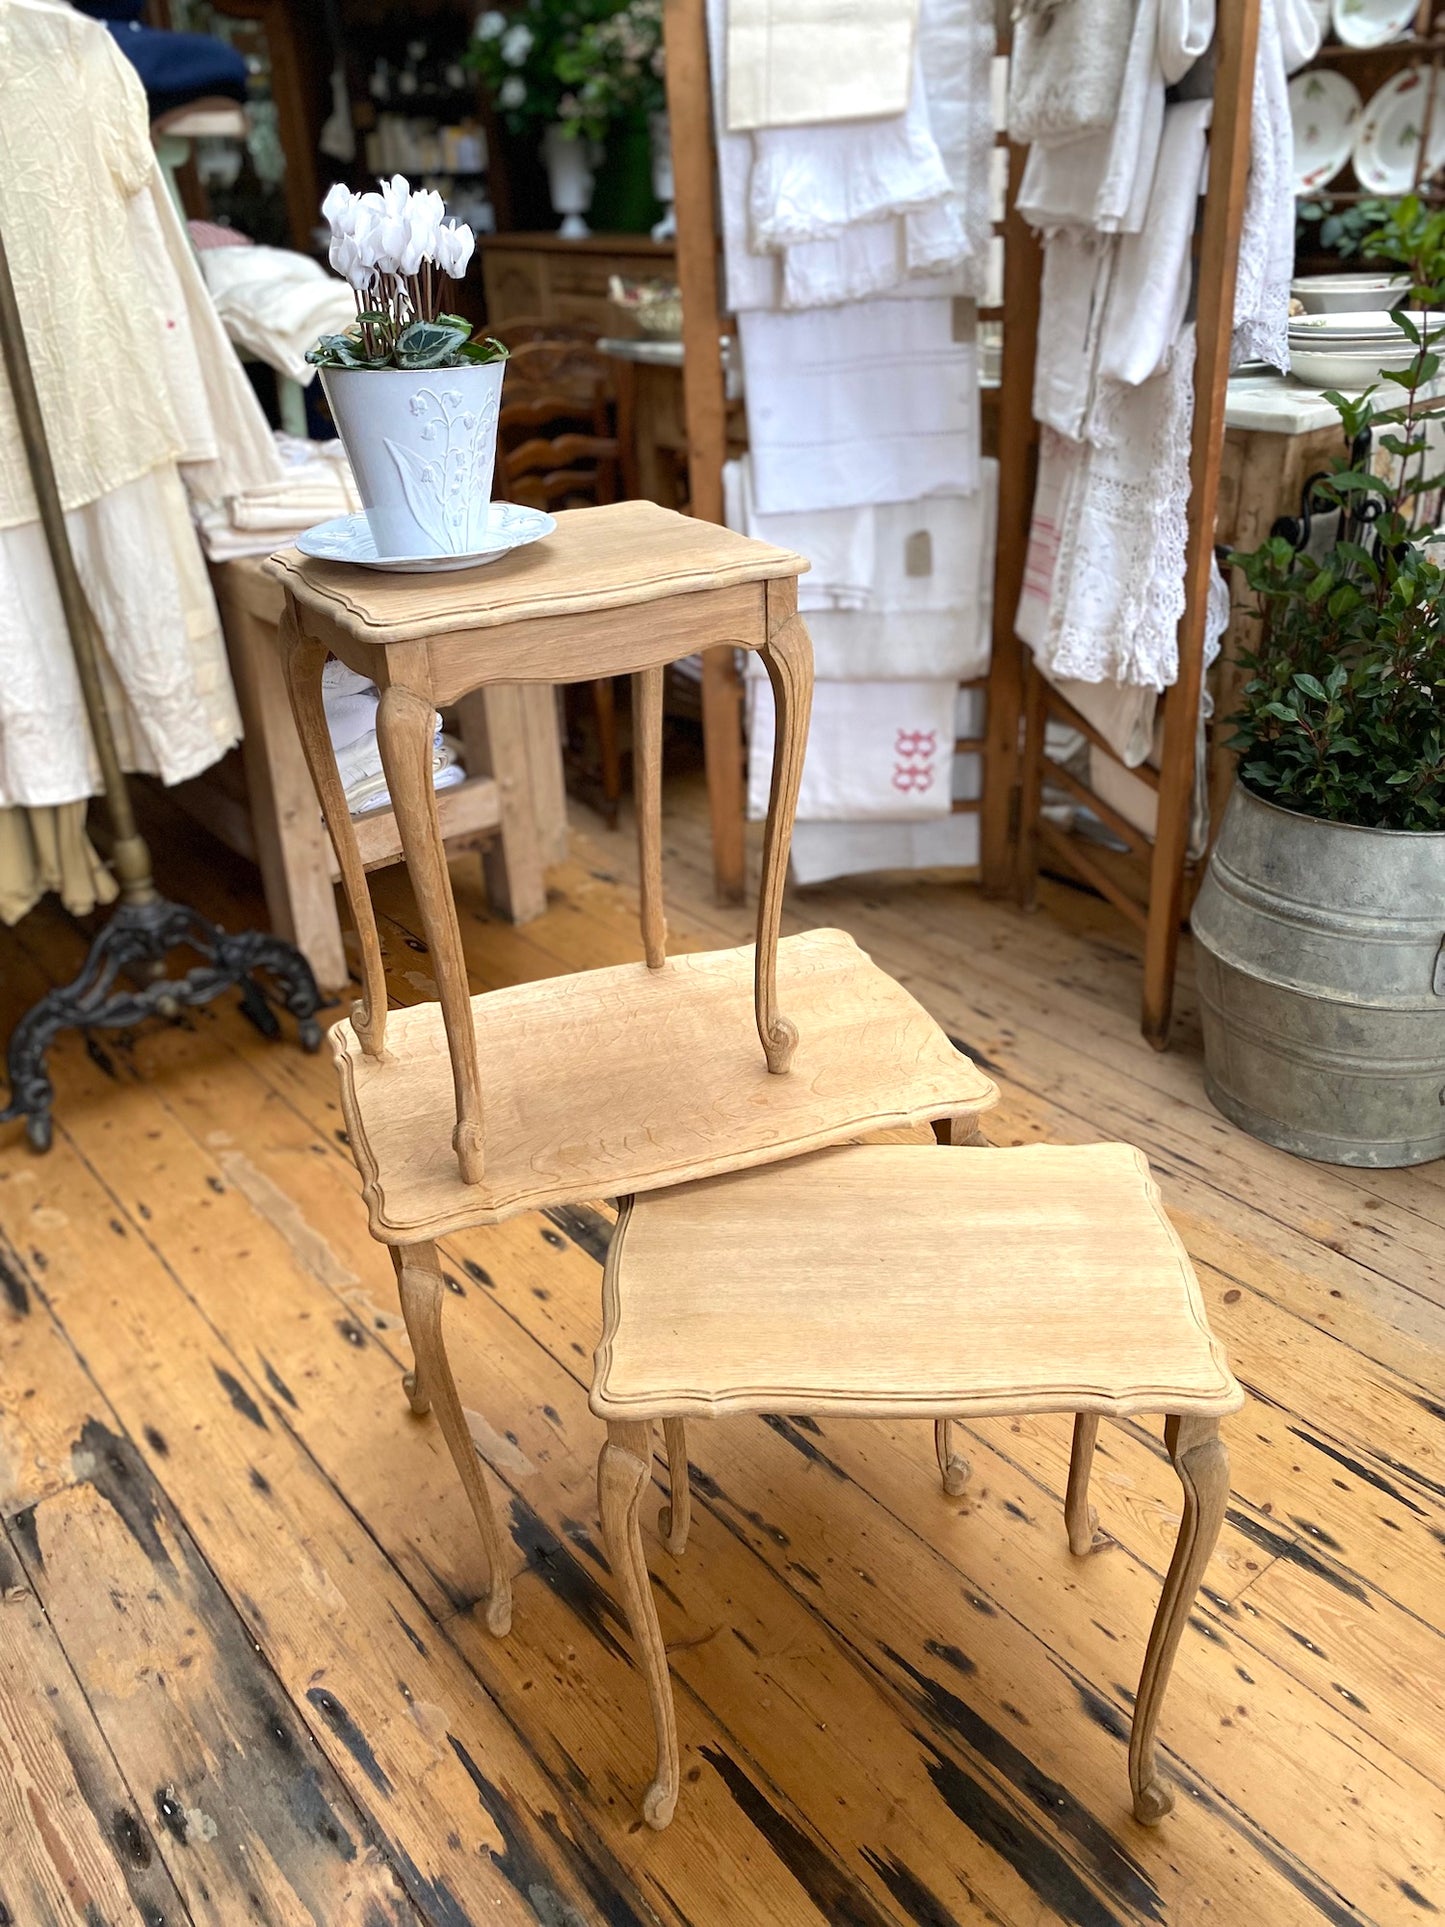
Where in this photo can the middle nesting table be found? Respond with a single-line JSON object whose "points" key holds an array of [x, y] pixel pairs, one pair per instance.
{"points": [[614, 1081]]}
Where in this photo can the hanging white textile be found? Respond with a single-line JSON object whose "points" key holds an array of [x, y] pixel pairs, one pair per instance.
{"points": [[168, 689], [1102, 180], [902, 591], [823, 851], [792, 63], [123, 400], [1066, 72], [1289, 35], [817, 215], [1104, 571], [875, 750], [1148, 293], [876, 401]]}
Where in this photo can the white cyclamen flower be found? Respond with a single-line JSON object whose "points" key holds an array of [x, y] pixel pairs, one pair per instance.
{"points": [[512, 92], [490, 26], [422, 224], [454, 249], [365, 236], [339, 208], [516, 44]]}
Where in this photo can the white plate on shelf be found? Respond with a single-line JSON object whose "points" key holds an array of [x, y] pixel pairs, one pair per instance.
{"points": [[1371, 23], [348, 538], [1391, 132], [1324, 108]]}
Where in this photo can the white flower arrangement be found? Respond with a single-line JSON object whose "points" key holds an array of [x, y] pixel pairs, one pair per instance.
{"points": [[395, 249]]}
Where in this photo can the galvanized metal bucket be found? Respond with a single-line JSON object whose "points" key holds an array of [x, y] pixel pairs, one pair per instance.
{"points": [[1321, 961]]}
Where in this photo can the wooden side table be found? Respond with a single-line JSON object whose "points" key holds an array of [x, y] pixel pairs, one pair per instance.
{"points": [[898, 1281]]}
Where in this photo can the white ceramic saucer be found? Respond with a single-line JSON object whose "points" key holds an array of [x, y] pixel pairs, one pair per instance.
{"points": [[348, 538]]}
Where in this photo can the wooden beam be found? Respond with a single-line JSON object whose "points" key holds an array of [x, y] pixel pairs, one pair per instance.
{"points": [[1017, 454], [1236, 39]]}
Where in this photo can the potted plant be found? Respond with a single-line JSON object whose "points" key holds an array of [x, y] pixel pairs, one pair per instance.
{"points": [[616, 100], [583, 78], [518, 55], [414, 396], [1320, 925]]}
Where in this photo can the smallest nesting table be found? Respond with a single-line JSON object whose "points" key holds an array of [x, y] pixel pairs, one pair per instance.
{"points": [[622, 589]]}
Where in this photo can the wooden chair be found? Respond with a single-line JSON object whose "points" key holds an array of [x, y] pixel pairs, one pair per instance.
{"points": [[901, 1281], [556, 449]]}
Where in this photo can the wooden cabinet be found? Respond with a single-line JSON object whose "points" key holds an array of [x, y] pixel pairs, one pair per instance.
{"points": [[545, 277]]}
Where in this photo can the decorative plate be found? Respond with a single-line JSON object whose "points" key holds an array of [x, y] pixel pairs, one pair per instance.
{"points": [[348, 538], [1370, 23], [1323, 109], [1391, 131]]}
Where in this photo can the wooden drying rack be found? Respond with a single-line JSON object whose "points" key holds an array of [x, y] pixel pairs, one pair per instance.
{"points": [[1151, 884]]}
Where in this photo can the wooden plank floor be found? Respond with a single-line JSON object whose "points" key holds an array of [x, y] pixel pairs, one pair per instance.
{"points": [[241, 1674]]}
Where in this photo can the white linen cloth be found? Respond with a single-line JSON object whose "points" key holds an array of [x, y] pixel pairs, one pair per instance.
{"points": [[168, 688], [274, 304], [1148, 294], [822, 851], [350, 703], [1078, 271], [875, 750], [74, 153], [902, 591], [791, 63], [1066, 72], [873, 402], [1186, 30], [881, 206], [814, 183], [226, 445], [1289, 35], [1104, 570], [1102, 180], [315, 483]]}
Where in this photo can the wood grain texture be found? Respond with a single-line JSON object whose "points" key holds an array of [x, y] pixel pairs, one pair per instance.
{"points": [[627, 1078], [75, 1845], [905, 1281], [405, 728], [615, 556], [787, 656], [647, 791], [304, 659], [929, 1717]]}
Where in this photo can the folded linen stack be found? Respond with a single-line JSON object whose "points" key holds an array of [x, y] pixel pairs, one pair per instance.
{"points": [[274, 304], [350, 702], [316, 483], [856, 230]]}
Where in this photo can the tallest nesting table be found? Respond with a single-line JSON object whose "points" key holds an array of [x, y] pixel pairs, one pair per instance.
{"points": [[616, 1081]]}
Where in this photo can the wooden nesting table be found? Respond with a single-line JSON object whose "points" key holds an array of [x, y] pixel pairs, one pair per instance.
{"points": [[610, 1082]]}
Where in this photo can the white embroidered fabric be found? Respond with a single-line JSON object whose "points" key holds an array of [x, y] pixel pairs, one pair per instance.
{"points": [[1109, 564]]}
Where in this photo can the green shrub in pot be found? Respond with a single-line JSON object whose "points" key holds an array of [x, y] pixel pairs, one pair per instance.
{"points": [[1320, 924]]}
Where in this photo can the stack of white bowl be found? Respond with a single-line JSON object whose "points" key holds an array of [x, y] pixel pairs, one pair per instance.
{"points": [[1351, 338]]}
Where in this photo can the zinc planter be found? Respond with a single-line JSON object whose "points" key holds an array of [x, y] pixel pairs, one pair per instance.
{"points": [[422, 444], [1321, 962]]}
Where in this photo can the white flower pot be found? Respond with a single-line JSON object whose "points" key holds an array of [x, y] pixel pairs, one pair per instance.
{"points": [[569, 180], [422, 445]]}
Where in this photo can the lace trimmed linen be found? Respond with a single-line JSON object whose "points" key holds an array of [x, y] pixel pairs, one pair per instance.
{"points": [[1067, 69], [1104, 573]]}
